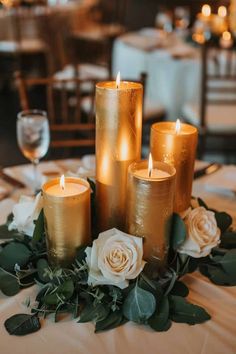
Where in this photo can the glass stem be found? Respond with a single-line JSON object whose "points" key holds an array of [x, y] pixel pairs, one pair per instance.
{"points": [[35, 175]]}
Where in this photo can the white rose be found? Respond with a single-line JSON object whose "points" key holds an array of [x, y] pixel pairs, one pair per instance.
{"points": [[202, 233], [114, 258], [25, 212]]}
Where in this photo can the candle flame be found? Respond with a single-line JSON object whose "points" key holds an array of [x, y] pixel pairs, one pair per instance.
{"points": [[150, 165], [226, 36], [118, 80], [62, 182], [222, 11], [206, 10], [177, 126]]}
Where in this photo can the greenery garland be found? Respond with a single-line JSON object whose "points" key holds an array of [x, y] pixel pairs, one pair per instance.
{"points": [[152, 299]]}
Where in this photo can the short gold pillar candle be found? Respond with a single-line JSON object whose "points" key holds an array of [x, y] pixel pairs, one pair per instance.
{"points": [[118, 144], [150, 198], [175, 144], [67, 218]]}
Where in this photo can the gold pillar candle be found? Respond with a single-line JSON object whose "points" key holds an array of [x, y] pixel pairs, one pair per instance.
{"points": [[176, 144], [67, 218], [118, 144], [150, 199]]}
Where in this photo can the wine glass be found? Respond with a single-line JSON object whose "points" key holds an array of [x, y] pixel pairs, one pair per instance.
{"points": [[33, 137]]}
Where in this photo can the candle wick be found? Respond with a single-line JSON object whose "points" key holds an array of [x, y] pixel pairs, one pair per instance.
{"points": [[150, 173]]}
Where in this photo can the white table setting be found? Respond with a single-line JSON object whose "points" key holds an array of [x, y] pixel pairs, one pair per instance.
{"points": [[171, 66]]}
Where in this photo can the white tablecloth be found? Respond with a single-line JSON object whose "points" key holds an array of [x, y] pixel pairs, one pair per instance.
{"points": [[216, 336], [173, 72]]}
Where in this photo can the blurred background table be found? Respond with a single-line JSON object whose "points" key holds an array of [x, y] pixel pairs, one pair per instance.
{"points": [[172, 67]]}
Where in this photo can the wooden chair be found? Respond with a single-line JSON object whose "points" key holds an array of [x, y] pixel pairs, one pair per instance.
{"points": [[215, 116], [70, 116]]}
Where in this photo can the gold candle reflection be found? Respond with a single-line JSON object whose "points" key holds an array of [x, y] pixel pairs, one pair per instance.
{"points": [[175, 144], [67, 218], [118, 144], [150, 196]]}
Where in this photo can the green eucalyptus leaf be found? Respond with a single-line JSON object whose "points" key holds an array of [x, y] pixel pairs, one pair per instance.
{"points": [[139, 305], [113, 320], [228, 263], [13, 253], [160, 319], [151, 285], [180, 289], [178, 232], [94, 313], [219, 277], [42, 267], [22, 324], [39, 229], [192, 264], [27, 277], [216, 259], [41, 294], [51, 299], [5, 234], [184, 312], [223, 220], [228, 240], [9, 284], [202, 203], [66, 289], [58, 312], [218, 251], [80, 254]]}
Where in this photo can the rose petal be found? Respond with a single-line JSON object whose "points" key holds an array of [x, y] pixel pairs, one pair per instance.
{"points": [[202, 233], [115, 257]]}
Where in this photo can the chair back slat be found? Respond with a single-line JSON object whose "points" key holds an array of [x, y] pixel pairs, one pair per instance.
{"points": [[71, 125], [64, 102], [218, 79], [78, 103], [50, 100]]}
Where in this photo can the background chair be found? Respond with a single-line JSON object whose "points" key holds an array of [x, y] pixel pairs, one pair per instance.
{"points": [[70, 116], [215, 116]]}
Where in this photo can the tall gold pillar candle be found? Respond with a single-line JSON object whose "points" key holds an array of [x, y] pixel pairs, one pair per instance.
{"points": [[67, 218], [150, 199], [175, 144], [118, 144]]}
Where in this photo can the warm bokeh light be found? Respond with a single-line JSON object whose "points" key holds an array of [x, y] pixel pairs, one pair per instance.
{"points": [[226, 36], [198, 38], [222, 11], [206, 10], [150, 165], [118, 80], [62, 182]]}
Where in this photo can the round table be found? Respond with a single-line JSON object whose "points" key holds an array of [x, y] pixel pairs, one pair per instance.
{"points": [[216, 336]]}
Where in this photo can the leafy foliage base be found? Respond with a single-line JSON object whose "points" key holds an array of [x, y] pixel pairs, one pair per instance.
{"points": [[151, 299]]}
